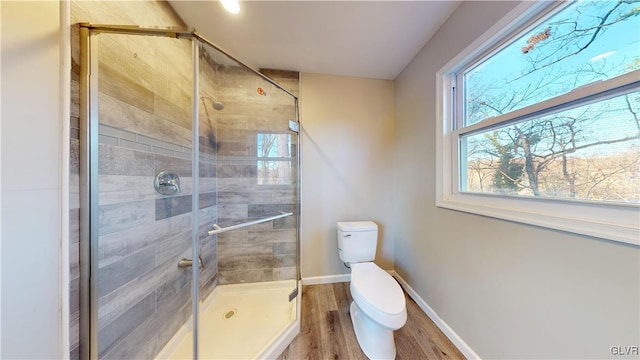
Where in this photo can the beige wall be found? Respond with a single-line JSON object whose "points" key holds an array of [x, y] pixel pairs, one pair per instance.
{"points": [[347, 152], [31, 169], [509, 290]]}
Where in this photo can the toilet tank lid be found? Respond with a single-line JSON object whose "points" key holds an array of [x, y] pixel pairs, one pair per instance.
{"points": [[357, 225]]}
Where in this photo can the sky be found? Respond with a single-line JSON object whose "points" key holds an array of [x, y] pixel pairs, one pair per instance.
{"points": [[610, 54]]}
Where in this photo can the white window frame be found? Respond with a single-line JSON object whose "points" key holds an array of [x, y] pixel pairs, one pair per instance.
{"points": [[617, 222]]}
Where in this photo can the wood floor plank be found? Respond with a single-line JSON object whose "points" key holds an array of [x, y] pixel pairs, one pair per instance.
{"points": [[328, 298], [407, 347], [342, 296], [327, 331], [307, 344], [431, 340]]}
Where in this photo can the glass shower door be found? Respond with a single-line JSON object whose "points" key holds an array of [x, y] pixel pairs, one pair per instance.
{"points": [[246, 142], [142, 231]]}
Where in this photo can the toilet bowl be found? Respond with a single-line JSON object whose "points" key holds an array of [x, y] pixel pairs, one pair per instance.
{"points": [[378, 306], [378, 309]]}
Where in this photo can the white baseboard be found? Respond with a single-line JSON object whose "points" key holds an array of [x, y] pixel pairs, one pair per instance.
{"points": [[444, 327], [314, 280]]}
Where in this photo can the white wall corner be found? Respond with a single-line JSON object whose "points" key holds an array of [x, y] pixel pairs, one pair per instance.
{"points": [[0, 186], [65, 113], [464, 348]]}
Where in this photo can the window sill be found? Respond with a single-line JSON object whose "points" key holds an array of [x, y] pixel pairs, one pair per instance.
{"points": [[611, 222]]}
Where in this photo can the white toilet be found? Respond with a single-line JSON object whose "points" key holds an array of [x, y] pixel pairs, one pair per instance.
{"points": [[378, 306]]}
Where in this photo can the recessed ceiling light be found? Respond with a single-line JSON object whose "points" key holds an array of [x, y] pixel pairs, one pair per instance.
{"points": [[232, 6]]}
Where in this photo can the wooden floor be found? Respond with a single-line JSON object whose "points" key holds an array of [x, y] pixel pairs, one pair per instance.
{"points": [[327, 333]]}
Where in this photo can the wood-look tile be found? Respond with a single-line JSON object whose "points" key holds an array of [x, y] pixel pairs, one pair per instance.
{"points": [[208, 184], [206, 200], [430, 339], [209, 147], [74, 261], [407, 347], [125, 89], [284, 196], [142, 342], [172, 206], [234, 197], [74, 225], [232, 171], [289, 222], [116, 246], [285, 248], [120, 161], [242, 276], [226, 250], [251, 262], [74, 295], [181, 167], [207, 170], [124, 297], [231, 214], [179, 282], [235, 148], [117, 217], [207, 285], [74, 329], [258, 211], [113, 276], [180, 114], [74, 157], [74, 111], [116, 189], [123, 116], [272, 236], [173, 247], [74, 352], [74, 196], [111, 333], [232, 121], [285, 273]]}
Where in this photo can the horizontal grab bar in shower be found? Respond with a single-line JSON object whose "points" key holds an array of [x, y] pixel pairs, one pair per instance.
{"points": [[217, 229]]}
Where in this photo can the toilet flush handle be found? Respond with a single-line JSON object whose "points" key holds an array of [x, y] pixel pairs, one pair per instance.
{"points": [[347, 235]]}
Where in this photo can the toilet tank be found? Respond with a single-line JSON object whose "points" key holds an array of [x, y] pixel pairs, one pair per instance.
{"points": [[357, 241]]}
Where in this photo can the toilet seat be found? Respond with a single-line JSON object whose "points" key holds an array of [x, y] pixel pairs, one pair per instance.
{"points": [[378, 295]]}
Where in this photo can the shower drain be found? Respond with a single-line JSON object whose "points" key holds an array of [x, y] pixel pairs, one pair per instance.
{"points": [[229, 314]]}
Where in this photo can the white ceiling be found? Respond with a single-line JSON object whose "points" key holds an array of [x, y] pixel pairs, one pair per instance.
{"points": [[373, 39]]}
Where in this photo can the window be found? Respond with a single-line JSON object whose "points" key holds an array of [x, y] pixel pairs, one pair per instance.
{"points": [[274, 159], [541, 120]]}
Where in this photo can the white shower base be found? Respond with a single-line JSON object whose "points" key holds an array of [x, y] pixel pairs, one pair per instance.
{"points": [[240, 321]]}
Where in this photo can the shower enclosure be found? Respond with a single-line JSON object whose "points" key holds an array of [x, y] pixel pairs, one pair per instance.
{"points": [[189, 200]]}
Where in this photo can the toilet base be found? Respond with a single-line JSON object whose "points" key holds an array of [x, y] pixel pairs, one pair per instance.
{"points": [[375, 340]]}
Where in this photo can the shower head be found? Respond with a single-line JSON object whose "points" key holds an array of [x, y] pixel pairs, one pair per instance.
{"points": [[218, 105], [215, 103]]}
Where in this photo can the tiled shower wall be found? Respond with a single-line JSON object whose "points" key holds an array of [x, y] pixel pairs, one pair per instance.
{"points": [[267, 251], [145, 127]]}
